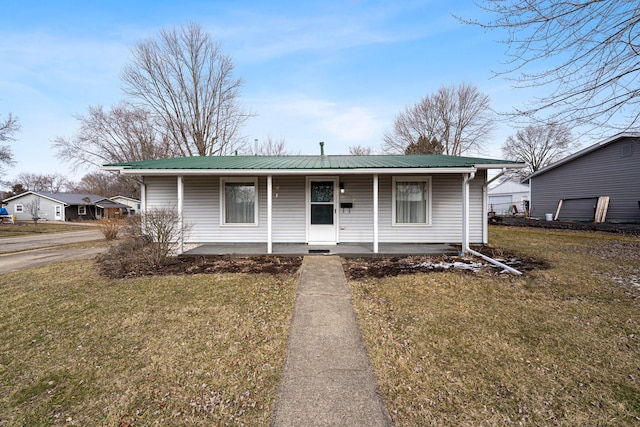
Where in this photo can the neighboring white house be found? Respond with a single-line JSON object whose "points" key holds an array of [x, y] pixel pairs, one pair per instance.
{"points": [[321, 200], [134, 204], [50, 206], [508, 197]]}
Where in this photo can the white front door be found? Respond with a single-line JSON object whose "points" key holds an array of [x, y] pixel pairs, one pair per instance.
{"points": [[58, 213], [322, 211]]}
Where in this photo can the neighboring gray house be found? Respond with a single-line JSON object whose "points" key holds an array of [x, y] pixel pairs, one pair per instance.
{"points": [[508, 197], [321, 200], [608, 168], [60, 206], [134, 204]]}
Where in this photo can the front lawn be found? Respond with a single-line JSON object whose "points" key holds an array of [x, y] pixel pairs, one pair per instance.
{"points": [[559, 346], [79, 349]]}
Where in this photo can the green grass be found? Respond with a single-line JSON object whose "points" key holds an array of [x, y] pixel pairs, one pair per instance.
{"points": [[78, 349], [29, 228], [555, 347]]}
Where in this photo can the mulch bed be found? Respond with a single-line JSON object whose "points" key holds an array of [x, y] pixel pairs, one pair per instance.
{"points": [[355, 268], [182, 265], [362, 268]]}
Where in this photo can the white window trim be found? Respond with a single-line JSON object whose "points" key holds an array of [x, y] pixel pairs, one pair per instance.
{"points": [[396, 179], [18, 208], [223, 181], [83, 208]]}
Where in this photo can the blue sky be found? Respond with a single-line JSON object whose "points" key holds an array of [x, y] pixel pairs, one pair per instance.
{"points": [[333, 71]]}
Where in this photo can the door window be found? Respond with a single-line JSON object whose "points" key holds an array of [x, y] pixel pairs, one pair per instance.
{"points": [[322, 203]]}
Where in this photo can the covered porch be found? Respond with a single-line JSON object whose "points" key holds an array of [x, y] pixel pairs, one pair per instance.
{"points": [[343, 249]]}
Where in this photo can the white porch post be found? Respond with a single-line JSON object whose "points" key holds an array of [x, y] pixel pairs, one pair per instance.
{"points": [[143, 204], [465, 212], [180, 219], [375, 213], [269, 213]]}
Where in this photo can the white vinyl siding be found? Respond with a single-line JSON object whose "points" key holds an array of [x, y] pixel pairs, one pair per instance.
{"points": [[446, 212], [162, 192], [356, 224], [289, 209], [202, 210], [202, 213]]}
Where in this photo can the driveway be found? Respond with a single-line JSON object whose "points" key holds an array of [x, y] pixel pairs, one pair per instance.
{"points": [[17, 253]]}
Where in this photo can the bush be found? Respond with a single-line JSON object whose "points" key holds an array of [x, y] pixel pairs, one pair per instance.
{"points": [[150, 241], [109, 228]]}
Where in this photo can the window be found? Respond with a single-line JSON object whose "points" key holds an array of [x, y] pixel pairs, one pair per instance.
{"points": [[82, 210], [239, 201], [411, 200], [19, 208]]}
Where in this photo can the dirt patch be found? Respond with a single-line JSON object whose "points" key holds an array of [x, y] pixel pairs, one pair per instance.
{"points": [[182, 265], [360, 268]]}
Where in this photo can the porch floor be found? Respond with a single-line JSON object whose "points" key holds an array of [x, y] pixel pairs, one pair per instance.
{"points": [[343, 249]]}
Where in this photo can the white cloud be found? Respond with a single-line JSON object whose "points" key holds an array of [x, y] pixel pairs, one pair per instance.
{"points": [[304, 121]]}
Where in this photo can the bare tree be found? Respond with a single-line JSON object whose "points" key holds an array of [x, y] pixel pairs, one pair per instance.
{"points": [[186, 80], [53, 182], [124, 133], [270, 147], [33, 208], [8, 128], [108, 184], [538, 146], [458, 117], [360, 150], [586, 52]]}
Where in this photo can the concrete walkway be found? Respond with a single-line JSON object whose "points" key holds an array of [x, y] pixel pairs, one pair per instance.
{"points": [[327, 380]]}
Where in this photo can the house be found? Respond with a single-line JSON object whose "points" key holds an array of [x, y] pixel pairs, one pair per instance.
{"points": [[321, 200], [61, 206], [134, 204], [508, 197], [608, 168]]}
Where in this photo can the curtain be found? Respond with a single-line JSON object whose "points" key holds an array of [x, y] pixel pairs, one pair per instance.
{"points": [[239, 203], [411, 206]]}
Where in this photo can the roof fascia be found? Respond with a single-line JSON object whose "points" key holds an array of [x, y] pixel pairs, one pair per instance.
{"points": [[363, 171]]}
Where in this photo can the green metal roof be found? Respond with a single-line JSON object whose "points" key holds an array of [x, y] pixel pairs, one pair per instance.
{"points": [[313, 162]]}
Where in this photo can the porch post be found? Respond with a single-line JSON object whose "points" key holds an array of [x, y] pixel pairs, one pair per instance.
{"points": [[465, 212], [269, 213], [180, 220], [375, 213], [143, 205]]}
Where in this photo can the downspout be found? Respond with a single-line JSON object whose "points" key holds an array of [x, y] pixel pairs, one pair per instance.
{"points": [[465, 236], [180, 214]]}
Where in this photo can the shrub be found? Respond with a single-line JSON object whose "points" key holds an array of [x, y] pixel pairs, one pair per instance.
{"points": [[150, 240], [109, 228]]}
